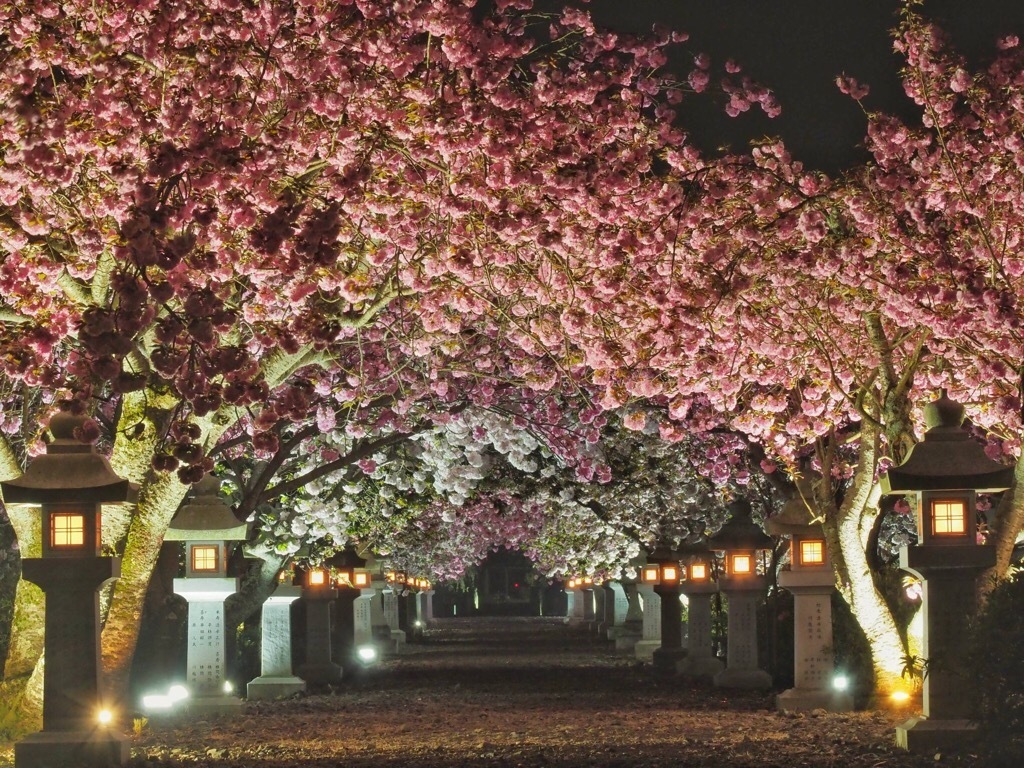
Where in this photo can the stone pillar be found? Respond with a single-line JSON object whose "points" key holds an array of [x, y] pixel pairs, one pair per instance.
{"points": [[390, 601], [628, 617], [671, 651], [378, 621], [319, 669], [362, 612], [576, 598], [650, 640], [812, 645], [205, 666], [71, 622], [949, 575], [344, 631], [276, 678], [742, 670], [700, 661], [425, 606], [589, 605], [599, 623]]}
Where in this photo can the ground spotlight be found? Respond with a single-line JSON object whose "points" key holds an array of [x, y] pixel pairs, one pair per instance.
{"points": [[154, 702]]}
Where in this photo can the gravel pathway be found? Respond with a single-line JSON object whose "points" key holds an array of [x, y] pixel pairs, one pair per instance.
{"points": [[525, 692]]}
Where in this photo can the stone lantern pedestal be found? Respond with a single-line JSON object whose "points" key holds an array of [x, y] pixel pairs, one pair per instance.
{"points": [[812, 646], [319, 669], [671, 651], [390, 600], [650, 639], [629, 630], [742, 669], [70, 735], [700, 661], [599, 623], [205, 669], [949, 577], [276, 678]]}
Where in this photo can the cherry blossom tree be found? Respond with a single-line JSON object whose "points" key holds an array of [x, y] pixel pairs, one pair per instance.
{"points": [[208, 210]]}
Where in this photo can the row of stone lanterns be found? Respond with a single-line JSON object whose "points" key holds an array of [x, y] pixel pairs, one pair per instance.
{"points": [[740, 542], [71, 481]]}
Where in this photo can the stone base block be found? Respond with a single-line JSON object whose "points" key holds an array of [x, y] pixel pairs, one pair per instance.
{"points": [[700, 667], [810, 699], [67, 749], [626, 641], [266, 687], [922, 735], [644, 649], [321, 675], [668, 659], [203, 706], [397, 639], [756, 679]]}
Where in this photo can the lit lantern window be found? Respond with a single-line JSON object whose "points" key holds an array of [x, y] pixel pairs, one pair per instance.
{"points": [[317, 578], [669, 573], [67, 530], [651, 574], [742, 564], [360, 579], [204, 558], [698, 571], [949, 517], [812, 552]]}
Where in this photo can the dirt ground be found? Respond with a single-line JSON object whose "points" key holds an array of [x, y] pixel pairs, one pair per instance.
{"points": [[525, 692]]}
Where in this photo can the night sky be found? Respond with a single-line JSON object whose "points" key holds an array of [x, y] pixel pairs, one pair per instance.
{"points": [[797, 47]]}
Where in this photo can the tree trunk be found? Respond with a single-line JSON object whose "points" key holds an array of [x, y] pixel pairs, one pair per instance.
{"points": [[258, 583], [1009, 519], [158, 502], [847, 530]]}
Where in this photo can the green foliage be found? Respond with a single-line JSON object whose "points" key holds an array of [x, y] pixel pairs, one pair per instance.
{"points": [[996, 671]]}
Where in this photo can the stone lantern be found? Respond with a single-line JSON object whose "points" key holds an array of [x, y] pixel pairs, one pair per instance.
{"points": [[699, 588], [205, 525], [741, 540], [811, 583], [944, 473], [668, 576], [318, 594], [68, 484]]}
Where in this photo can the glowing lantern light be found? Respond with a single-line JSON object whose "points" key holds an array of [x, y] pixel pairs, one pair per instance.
{"points": [[811, 552], [698, 571]]}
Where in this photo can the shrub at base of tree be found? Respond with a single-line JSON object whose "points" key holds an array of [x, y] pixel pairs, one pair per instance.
{"points": [[996, 669]]}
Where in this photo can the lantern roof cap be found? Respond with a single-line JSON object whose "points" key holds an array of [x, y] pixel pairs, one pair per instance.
{"points": [[70, 470], [947, 458], [795, 518], [346, 558], [205, 517], [740, 532]]}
